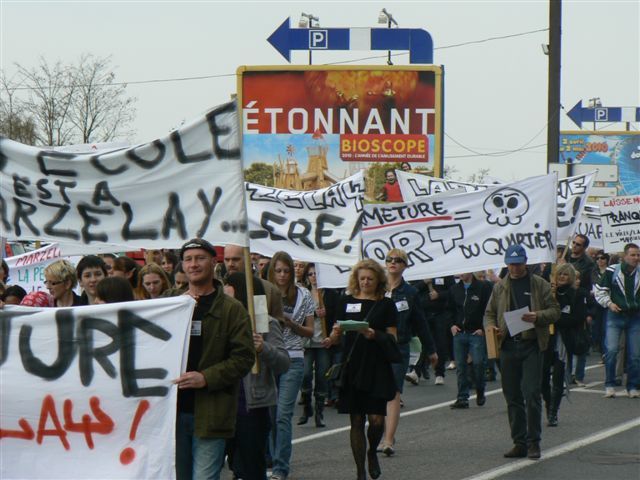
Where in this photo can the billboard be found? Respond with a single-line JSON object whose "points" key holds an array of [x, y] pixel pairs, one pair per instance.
{"points": [[618, 149], [308, 127]]}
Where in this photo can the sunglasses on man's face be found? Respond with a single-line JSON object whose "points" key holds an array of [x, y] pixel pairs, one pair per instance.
{"points": [[395, 260]]}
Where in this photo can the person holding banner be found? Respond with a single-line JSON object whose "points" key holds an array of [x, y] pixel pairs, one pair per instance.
{"points": [[521, 353], [221, 353], [619, 291], [298, 324], [369, 351], [61, 280]]}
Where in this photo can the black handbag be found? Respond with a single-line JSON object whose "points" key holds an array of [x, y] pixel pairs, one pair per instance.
{"points": [[581, 341]]}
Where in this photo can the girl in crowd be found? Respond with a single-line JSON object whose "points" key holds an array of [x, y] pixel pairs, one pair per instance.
{"points": [[128, 268], [90, 270], [152, 282], [13, 295], [573, 313], [299, 267], [114, 290], [298, 323], [316, 353], [108, 261], [61, 280], [247, 450], [169, 263], [369, 382], [180, 280]]}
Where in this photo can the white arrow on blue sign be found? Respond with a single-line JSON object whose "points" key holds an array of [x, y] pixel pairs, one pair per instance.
{"points": [[580, 114], [417, 41]]}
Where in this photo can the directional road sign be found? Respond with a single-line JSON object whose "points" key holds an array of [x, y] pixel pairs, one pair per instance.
{"points": [[417, 41], [581, 114]]}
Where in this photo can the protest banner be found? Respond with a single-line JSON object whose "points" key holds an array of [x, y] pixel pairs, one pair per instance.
{"points": [[87, 392], [620, 218], [27, 269], [307, 127], [590, 226], [157, 194], [451, 234], [316, 226], [572, 194], [332, 276]]}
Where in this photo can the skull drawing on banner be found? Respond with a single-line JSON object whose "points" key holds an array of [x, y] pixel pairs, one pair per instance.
{"points": [[506, 206]]}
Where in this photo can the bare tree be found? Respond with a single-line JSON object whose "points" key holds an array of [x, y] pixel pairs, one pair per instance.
{"points": [[101, 111], [13, 123], [65, 104], [49, 100]]}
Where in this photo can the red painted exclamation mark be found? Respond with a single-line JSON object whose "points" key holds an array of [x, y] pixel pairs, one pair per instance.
{"points": [[129, 454]]}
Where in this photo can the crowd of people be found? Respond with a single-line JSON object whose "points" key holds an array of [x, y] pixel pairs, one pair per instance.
{"points": [[351, 348]]}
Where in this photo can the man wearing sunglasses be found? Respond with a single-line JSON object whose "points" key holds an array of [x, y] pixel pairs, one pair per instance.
{"points": [[411, 322], [581, 260]]}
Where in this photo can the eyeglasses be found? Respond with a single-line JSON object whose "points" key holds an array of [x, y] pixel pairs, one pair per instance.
{"points": [[395, 260], [311, 274], [49, 284], [601, 258]]}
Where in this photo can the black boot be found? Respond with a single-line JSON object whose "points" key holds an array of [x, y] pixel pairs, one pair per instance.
{"points": [[307, 410], [319, 413]]}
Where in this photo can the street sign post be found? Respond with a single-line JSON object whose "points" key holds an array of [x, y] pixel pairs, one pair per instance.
{"points": [[417, 41], [581, 114]]}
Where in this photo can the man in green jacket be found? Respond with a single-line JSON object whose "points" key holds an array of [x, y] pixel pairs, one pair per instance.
{"points": [[521, 353], [221, 352]]}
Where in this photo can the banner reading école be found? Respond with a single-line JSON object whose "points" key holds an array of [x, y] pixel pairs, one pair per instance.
{"points": [[88, 391], [158, 194]]}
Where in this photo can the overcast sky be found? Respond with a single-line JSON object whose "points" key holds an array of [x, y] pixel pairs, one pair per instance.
{"points": [[495, 91]]}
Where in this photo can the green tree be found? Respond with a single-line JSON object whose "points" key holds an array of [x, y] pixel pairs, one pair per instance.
{"points": [[260, 173]]}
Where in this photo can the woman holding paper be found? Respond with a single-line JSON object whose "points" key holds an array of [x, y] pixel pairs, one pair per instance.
{"points": [[369, 319], [298, 310], [572, 316]]}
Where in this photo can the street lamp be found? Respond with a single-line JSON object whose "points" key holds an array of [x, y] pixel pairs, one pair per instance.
{"points": [[386, 17], [306, 21]]}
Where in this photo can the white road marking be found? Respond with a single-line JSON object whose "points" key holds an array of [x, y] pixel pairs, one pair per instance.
{"points": [[556, 451]]}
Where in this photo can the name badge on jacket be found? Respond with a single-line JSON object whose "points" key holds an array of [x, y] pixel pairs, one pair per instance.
{"points": [[354, 307], [566, 309], [402, 305], [196, 328]]}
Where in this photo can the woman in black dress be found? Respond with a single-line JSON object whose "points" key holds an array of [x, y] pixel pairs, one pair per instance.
{"points": [[370, 351]]}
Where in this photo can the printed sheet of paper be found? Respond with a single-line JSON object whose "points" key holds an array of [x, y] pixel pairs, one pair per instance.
{"points": [[262, 314], [515, 324]]}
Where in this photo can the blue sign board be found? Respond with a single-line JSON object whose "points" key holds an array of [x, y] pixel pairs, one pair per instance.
{"points": [[581, 114], [417, 41]]}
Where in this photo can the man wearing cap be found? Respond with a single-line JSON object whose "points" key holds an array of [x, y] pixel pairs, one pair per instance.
{"points": [[221, 353], [521, 354]]}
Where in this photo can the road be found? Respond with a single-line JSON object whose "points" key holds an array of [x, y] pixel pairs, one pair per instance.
{"points": [[596, 438]]}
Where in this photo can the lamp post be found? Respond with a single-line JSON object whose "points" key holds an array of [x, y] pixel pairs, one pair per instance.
{"points": [[386, 17], [306, 21]]}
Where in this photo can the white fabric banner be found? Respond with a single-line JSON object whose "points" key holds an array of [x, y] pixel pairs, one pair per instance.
{"points": [[87, 391], [312, 226], [572, 194], [332, 276], [620, 218], [591, 226], [153, 195], [27, 269], [445, 235]]}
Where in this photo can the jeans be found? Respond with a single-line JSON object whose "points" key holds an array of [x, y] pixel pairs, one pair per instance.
{"points": [[521, 372], [465, 343], [581, 363], [400, 369], [196, 458], [316, 363], [616, 324], [288, 388]]}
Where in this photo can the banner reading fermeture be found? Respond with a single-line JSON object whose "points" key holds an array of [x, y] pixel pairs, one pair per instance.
{"points": [[158, 194], [445, 235], [87, 392]]}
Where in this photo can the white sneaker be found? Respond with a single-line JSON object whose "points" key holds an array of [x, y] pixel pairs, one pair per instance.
{"points": [[633, 393], [609, 392], [580, 383], [451, 366], [439, 380], [412, 377]]}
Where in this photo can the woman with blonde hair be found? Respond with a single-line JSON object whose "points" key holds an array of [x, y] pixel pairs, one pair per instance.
{"points": [[368, 380], [60, 279], [152, 282]]}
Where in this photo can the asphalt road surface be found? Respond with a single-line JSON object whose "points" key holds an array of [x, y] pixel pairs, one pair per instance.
{"points": [[597, 438]]}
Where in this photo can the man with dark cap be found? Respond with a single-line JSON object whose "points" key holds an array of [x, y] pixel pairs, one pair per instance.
{"points": [[221, 353], [521, 354]]}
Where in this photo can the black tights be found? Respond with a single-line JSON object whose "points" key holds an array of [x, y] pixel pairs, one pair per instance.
{"points": [[359, 442]]}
